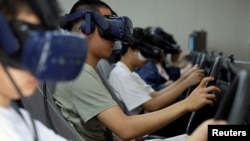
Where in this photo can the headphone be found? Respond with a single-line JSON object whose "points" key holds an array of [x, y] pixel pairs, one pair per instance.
{"points": [[48, 55], [109, 27], [48, 11], [160, 34], [91, 18]]}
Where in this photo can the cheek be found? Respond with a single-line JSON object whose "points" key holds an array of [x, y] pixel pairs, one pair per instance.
{"points": [[143, 63], [101, 48], [25, 82], [7, 89]]}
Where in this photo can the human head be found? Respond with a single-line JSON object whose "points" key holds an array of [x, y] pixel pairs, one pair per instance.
{"points": [[132, 51], [25, 38], [98, 46], [158, 37], [17, 10]]}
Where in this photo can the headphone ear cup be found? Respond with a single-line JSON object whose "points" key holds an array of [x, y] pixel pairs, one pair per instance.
{"points": [[88, 26]]}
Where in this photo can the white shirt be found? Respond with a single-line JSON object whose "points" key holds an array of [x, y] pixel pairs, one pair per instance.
{"points": [[131, 89], [13, 127]]}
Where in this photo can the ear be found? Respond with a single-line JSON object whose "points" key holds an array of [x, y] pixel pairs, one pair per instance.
{"points": [[133, 51]]}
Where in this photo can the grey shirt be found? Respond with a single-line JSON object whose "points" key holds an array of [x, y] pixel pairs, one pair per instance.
{"points": [[81, 100]]}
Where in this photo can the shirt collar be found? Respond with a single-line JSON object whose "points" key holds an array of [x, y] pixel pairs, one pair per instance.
{"points": [[122, 65]]}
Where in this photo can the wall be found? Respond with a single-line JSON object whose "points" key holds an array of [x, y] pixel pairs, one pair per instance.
{"points": [[226, 21]]}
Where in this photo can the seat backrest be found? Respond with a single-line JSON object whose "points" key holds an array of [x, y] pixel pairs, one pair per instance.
{"points": [[103, 69], [43, 108]]}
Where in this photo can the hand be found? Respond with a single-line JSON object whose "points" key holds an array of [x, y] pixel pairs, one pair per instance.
{"points": [[201, 132], [201, 95], [195, 77], [189, 71]]}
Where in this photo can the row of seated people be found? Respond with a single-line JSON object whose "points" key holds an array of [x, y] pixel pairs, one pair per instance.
{"points": [[73, 110], [89, 111], [59, 123]]}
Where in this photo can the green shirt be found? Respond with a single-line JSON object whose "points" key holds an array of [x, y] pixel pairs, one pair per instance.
{"points": [[81, 100]]}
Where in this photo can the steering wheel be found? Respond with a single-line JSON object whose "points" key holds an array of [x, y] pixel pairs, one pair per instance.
{"points": [[207, 111]]}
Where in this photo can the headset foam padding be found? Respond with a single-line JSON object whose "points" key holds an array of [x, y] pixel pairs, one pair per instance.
{"points": [[88, 26]]}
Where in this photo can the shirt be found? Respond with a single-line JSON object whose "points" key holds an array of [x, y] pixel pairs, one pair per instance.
{"points": [[132, 90], [15, 128], [81, 100]]}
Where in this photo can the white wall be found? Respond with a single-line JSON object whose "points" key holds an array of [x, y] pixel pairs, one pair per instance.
{"points": [[226, 21]]}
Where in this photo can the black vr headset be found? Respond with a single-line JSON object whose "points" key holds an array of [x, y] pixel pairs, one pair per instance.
{"points": [[48, 11], [48, 55], [150, 52], [147, 51], [160, 36], [109, 27]]}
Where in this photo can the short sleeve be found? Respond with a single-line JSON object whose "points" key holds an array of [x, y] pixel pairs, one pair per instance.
{"points": [[132, 92], [90, 95]]}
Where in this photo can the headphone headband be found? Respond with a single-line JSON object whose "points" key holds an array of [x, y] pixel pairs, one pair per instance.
{"points": [[96, 17]]}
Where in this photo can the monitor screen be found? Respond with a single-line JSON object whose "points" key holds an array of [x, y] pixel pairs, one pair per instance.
{"points": [[191, 43]]}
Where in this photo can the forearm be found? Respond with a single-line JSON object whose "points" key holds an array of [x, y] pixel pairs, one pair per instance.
{"points": [[131, 127], [166, 98], [148, 123], [173, 85]]}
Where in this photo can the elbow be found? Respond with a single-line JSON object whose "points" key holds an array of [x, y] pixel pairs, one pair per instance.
{"points": [[126, 136], [150, 107]]}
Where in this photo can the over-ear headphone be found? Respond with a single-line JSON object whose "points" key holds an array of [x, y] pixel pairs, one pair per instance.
{"points": [[48, 55], [109, 27], [170, 44], [91, 18], [48, 11]]}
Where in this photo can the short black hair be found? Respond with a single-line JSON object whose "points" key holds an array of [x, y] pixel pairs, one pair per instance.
{"points": [[89, 5], [156, 36], [138, 35], [47, 10]]}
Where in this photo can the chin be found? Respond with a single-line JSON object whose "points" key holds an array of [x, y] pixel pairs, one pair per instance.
{"points": [[28, 92]]}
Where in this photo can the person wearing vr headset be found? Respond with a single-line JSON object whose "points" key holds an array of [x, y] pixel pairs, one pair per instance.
{"points": [[87, 105], [154, 72], [27, 34], [138, 96], [151, 73]]}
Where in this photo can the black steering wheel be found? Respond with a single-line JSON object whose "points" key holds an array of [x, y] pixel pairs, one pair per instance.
{"points": [[197, 117]]}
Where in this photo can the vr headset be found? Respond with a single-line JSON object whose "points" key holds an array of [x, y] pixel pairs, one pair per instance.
{"points": [[49, 12], [109, 27], [48, 55], [159, 35], [148, 51]]}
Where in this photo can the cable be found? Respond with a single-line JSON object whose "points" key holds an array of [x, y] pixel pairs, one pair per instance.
{"points": [[21, 96]]}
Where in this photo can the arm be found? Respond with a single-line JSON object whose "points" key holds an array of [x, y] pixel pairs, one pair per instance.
{"points": [[130, 127], [181, 79], [167, 95], [201, 132]]}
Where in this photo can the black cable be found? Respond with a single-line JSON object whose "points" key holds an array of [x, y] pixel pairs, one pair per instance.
{"points": [[47, 107], [21, 96]]}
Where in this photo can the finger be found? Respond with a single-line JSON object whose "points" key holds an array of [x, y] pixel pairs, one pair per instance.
{"points": [[201, 71], [205, 80], [195, 66], [212, 88], [209, 102], [201, 75], [211, 97]]}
